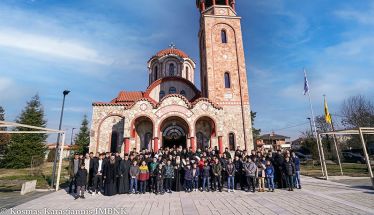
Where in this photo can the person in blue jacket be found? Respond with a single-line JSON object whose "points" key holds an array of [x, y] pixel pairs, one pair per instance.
{"points": [[195, 177], [269, 173], [296, 161]]}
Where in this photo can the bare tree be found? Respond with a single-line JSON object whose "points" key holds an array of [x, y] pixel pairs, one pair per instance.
{"points": [[321, 124], [357, 111]]}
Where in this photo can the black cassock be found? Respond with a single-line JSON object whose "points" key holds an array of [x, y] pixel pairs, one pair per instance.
{"points": [[178, 178], [124, 177], [110, 174]]}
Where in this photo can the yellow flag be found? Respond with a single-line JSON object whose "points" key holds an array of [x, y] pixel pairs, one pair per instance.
{"points": [[327, 113]]}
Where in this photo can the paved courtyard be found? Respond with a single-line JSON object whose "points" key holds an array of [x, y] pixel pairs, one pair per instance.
{"points": [[316, 197]]}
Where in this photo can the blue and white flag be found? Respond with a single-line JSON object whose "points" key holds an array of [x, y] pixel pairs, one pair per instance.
{"points": [[306, 84]]}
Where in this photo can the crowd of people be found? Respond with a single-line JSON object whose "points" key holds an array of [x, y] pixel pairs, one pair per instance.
{"points": [[177, 169]]}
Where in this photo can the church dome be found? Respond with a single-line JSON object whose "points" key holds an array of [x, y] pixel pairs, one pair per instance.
{"points": [[172, 51]]}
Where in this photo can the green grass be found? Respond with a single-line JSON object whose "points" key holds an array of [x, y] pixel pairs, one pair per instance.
{"points": [[349, 169], [12, 179]]}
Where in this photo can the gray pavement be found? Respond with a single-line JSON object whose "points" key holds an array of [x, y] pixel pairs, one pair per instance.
{"points": [[12, 199], [316, 197]]}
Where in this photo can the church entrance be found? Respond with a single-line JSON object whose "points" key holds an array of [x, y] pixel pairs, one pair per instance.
{"points": [[174, 133]]}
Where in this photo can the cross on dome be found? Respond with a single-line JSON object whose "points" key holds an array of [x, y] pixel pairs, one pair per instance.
{"points": [[172, 45]]}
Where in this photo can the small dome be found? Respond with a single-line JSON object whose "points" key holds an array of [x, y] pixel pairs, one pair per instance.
{"points": [[170, 51]]}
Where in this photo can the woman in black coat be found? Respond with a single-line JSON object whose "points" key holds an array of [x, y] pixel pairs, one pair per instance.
{"points": [[110, 176], [123, 173]]}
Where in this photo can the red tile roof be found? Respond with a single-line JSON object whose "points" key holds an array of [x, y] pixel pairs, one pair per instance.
{"points": [[174, 51], [125, 96]]}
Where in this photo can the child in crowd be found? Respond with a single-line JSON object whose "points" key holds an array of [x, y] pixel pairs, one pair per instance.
{"points": [[289, 172], [269, 172], [159, 174], [206, 177], [195, 177], [81, 181], [134, 173], [169, 176], [188, 178], [261, 176], [143, 177], [230, 170]]}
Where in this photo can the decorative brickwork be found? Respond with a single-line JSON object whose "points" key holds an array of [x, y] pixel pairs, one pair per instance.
{"points": [[173, 104]]}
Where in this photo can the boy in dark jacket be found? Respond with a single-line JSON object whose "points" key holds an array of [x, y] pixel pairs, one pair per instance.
{"points": [[289, 172], [81, 180], [188, 178], [206, 176], [159, 175]]}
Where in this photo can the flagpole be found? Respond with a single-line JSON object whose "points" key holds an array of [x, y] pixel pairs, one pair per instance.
{"points": [[314, 124], [335, 141], [315, 134]]}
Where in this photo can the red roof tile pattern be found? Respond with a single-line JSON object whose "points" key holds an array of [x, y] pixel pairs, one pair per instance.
{"points": [[124, 96], [173, 51], [129, 99]]}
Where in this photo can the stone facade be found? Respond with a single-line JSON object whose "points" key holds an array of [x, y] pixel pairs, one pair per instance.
{"points": [[172, 111]]}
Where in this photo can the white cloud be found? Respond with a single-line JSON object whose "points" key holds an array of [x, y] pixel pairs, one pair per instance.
{"points": [[357, 15], [57, 47]]}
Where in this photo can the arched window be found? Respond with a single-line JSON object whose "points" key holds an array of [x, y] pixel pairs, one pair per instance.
{"points": [[231, 141], [183, 93], [224, 36], [172, 90], [187, 72], [162, 94], [171, 69], [156, 72], [227, 80]]}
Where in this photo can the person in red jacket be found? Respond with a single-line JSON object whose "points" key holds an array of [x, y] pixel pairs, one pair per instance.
{"points": [[143, 177]]}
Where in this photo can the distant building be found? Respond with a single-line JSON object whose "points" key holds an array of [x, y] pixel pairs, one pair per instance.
{"points": [[296, 144], [67, 152], [273, 141]]}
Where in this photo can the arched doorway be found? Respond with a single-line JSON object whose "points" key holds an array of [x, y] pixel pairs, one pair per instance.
{"points": [[174, 131], [143, 132], [114, 142], [205, 130]]}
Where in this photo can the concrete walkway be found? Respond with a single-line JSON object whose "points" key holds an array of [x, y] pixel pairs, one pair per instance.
{"points": [[316, 197]]}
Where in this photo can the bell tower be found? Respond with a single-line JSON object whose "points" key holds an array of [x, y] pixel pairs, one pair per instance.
{"points": [[223, 70]]}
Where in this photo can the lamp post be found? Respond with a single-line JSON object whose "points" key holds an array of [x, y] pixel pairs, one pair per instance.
{"points": [[71, 138], [65, 93], [310, 122]]}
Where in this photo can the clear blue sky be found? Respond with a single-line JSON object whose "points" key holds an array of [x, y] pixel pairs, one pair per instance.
{"points": [[96, 48]]}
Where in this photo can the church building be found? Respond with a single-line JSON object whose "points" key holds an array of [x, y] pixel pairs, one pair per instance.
{"points": [[172, 111]]}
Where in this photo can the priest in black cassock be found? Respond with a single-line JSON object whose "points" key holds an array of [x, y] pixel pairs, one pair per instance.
{"points": [[110, 177], [124, 177], [178, 175]]}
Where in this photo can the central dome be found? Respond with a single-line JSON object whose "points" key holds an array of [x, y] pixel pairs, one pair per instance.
{"points": [[172, 51], [171, 62]]}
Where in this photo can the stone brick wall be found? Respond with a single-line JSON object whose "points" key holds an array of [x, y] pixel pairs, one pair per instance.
{"points": [[217, 58]]}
